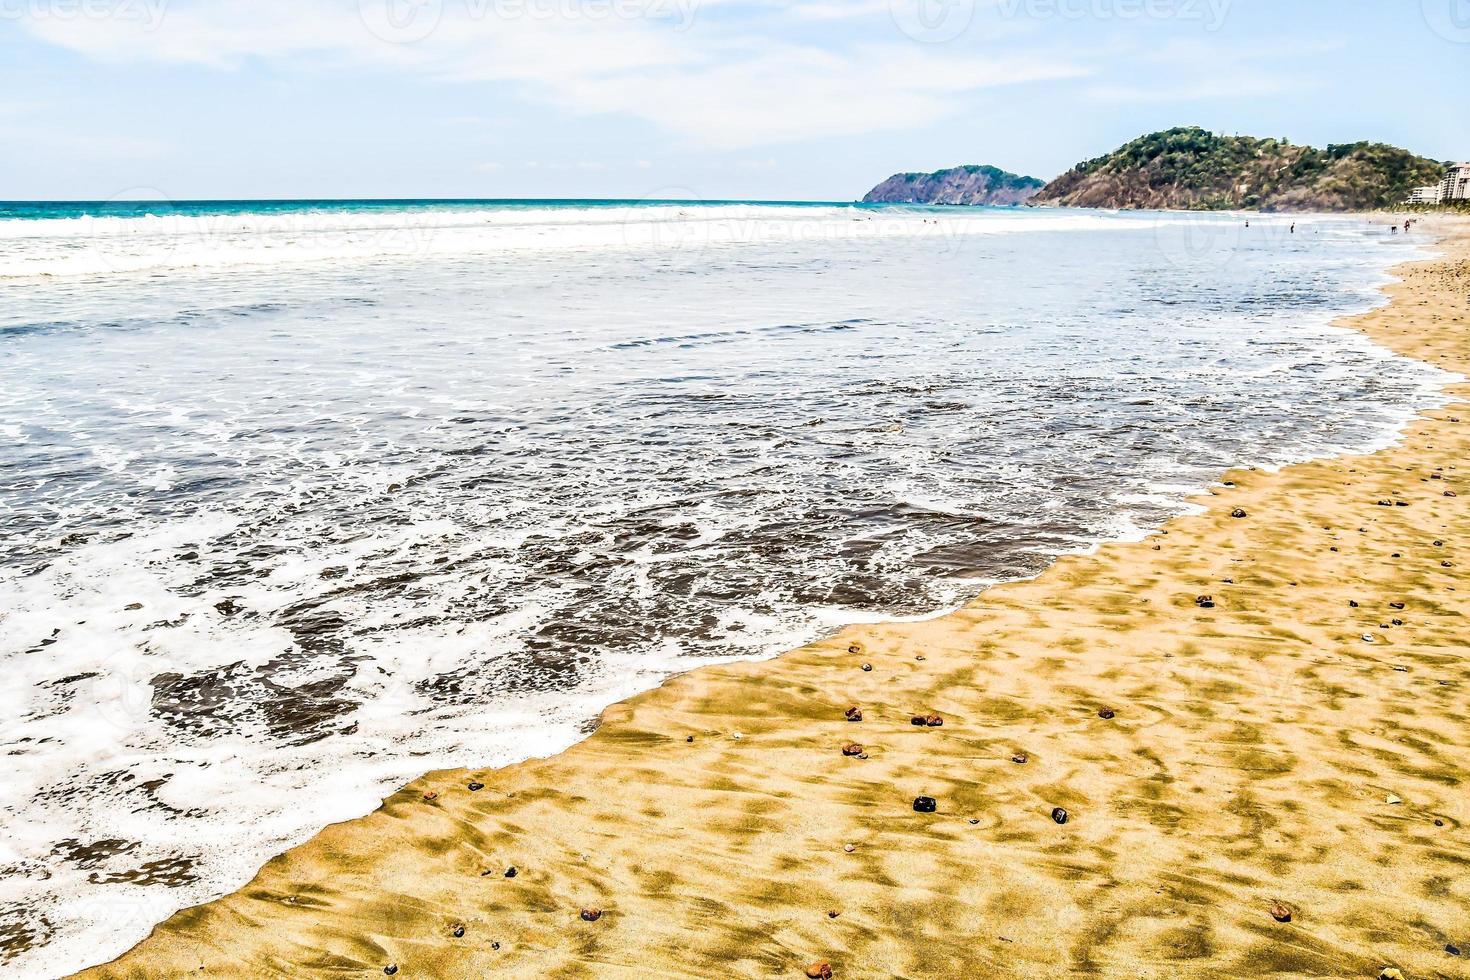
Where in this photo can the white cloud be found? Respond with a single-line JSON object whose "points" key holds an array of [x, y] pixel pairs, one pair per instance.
{"points": [[713, 84]]}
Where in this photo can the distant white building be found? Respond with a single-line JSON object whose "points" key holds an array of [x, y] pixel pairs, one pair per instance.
{"points": [[1456, 183], [1425, 195]]}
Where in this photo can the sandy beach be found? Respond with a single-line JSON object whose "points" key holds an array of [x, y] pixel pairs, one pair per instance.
{"points": [[1255, 721]]}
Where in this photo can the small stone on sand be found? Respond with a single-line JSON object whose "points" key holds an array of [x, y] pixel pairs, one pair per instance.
{"points": [[925, 804], [852, 749], [854, 714], [1237, 513], [1280, 913], [390, 969], [1390, 973], [1020, 758], [855, 648], [849, 848], [458, 931], [1107, 714], [833, 913], [1060, 816], [475, 787], [820, 971], [1452, 949], [591, 915], [430, 796], [511, 872], [1393, 800], [867, 668]]}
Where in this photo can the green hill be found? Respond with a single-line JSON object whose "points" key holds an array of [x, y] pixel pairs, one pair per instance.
{"points": [[1193, 169]]}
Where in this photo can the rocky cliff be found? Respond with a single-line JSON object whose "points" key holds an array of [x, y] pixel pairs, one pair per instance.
{"points": [[958, 185]]}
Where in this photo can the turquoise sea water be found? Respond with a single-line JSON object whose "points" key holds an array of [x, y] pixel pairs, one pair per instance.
{"points": [[40, 210]]}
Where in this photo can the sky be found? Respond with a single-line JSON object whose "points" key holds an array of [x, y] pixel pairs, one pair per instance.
{"points": [[694, 99]]}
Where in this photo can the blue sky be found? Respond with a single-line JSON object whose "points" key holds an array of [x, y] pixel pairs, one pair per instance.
{"points": [[771, 99]]}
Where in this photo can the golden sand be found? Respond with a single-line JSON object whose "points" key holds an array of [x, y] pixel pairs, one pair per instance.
{"points": [[1263, 752]]}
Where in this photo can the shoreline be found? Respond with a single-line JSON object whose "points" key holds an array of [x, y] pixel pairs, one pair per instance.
{"points": [[726, 854]]}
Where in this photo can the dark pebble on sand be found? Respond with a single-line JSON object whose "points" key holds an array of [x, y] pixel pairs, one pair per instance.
{"points": [[390, 969], [690, 739], [1107, 714], [854, 714], [475, 787], [819, 971], [867, 668], [511, 872], [1237, 513], [227, 607], [458, 932], [133, 606], [1020, 758], [1353, 603], [1205, 602], [852, 749], [495, 945], [1060, 815], [925, 804], [1395, 605], [1280, 913], [1452, 949], [591, 915]]}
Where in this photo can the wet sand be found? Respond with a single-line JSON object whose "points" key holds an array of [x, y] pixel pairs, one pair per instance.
{"points": [[1282, 747]]}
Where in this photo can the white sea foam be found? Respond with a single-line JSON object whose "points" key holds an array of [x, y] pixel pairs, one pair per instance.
{"points": [[91, 246], [287, 524]]}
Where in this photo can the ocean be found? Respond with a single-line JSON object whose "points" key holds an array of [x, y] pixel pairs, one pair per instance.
{"points": [[303, 499]]}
